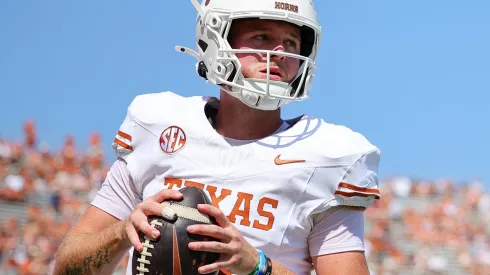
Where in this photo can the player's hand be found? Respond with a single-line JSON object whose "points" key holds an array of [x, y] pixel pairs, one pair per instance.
{"points": [[237, 255], [138, 220]]}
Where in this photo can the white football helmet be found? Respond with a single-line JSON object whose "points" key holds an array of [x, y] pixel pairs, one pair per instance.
{"points": [[218, 64]]}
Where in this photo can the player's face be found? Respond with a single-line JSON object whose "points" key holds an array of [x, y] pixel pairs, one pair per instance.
{"points": [[267, 35]]}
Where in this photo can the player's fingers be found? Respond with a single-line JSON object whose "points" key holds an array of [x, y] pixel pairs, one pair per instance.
{"points": [[215, 266], [151, 208], [140, 222], [166, 194], [216, 247], [218, 215], [210, 230], [133, 236]]}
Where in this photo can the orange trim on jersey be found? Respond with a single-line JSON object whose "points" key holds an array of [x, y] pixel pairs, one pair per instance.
{"points": [[124, 135], [122, 144], [355, 194], [359, 189]]}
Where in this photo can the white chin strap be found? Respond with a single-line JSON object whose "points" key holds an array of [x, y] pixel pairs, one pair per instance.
{"points": [[278, 91]]}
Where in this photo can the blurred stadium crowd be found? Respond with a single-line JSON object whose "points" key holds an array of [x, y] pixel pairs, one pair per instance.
{"points": [[418, 227]]}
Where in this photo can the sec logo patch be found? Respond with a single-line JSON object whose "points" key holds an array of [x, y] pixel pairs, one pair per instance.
{"points": [[172, 140]]}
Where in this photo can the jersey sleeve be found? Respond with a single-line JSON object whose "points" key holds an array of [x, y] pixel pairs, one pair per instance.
{"points": [[123, 142], [337, 222], [359, 185], [118, 195], [136, 130], [348, 181], [122, 190], [335, 230]]}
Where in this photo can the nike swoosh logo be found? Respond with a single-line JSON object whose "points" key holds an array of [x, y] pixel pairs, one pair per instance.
{"points": [[279, 161]]}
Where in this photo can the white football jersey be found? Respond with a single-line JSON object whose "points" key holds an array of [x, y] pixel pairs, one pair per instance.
{"points": [[269, 188]]}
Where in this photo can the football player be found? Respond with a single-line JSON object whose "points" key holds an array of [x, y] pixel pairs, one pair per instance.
{"points": [[289, 192]]}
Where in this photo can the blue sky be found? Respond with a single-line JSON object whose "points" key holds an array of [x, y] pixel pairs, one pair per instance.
{"points": [[412, 76]]}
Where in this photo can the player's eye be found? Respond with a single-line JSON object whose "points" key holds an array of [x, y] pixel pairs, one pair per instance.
{"points": [[261, 37], [292, 43]]}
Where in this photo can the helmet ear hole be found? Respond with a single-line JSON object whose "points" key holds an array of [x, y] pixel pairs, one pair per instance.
{"points": [[203, 45]]}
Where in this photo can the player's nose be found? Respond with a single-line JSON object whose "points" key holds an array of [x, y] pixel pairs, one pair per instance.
{"points": [[279, 49]]}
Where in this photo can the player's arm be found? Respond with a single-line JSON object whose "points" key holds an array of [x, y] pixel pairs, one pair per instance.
{"points": [[95, 245], [109, 227], [352, 262], [99, 240], [338, 237], [278, 269], [336, 242]]}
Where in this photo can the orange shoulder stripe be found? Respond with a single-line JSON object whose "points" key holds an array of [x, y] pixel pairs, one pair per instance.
{"points": [[122, 144], [359, 189], [355, 194], [124, 135]]}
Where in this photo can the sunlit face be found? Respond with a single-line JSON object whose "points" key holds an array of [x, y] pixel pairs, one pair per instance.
{"points": [[267, 35]]}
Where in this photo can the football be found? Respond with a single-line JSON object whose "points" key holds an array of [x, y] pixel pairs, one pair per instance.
{"points": [[169, 253]]}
